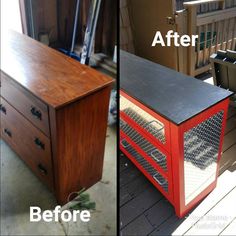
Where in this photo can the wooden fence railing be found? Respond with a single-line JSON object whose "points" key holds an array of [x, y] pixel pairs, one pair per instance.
{"points": [[215, 29], [208, 7]]}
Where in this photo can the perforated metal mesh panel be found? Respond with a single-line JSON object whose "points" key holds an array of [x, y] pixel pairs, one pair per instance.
{"points": [[142, 118], [146, 165], [201, 147], [145, 145]]}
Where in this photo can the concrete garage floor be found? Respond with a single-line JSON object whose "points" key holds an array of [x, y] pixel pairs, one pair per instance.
{"points": [[20, 189]]}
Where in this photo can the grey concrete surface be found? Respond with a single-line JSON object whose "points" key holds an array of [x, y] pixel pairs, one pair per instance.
{"points": [[20, 189]]}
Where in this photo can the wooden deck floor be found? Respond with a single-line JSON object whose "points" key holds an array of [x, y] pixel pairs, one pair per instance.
{"points": [[144, 211]]}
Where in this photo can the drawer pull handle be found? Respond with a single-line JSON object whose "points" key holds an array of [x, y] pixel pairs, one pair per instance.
{"points": [[42, 169], [8, 132], [36, 113], [159, 181], [158, 159], [3, 109], [150, 123], [39, 143]]}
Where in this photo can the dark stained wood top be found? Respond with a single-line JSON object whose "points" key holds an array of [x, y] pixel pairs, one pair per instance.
{"points": [[50, 75], [173, 95]]}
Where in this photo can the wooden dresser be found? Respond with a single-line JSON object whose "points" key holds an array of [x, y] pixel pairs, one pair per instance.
{"points": [[53, 114], [172, 128]]}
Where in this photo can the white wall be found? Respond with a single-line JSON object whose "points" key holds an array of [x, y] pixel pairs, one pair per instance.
{"points": [[10, 15]]}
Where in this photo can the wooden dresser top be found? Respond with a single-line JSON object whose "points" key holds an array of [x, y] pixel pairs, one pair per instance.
{"points": [[50, 75], [173, 95]]}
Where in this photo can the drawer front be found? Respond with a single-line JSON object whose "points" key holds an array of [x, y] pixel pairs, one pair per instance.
{"points": [[146, 120], [27, 104], [147, 169], [28, 142], [153, 153]]}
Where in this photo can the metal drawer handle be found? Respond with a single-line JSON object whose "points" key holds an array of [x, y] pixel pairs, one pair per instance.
{"points": [[42, 169], [158, 159], [3, 109], [8, 132], [148, 124], [39, 143], [36, 113], [124, 143], [158, 181]]}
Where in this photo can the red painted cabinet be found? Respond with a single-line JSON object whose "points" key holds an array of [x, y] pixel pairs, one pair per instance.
{"points": [[177, 151]]}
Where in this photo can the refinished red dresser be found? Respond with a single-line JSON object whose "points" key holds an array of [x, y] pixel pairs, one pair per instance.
{"points": [[53, 114], [171, 128]]}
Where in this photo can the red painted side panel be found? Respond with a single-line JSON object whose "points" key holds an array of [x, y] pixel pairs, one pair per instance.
{"points": [[177, 147]]}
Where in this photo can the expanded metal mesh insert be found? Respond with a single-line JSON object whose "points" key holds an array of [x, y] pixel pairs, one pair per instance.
{"points": [[145, 145], [146, 165], [144, 119], [201, 148]]}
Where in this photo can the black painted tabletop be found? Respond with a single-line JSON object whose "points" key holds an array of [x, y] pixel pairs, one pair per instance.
{"points": [[173, 95]]}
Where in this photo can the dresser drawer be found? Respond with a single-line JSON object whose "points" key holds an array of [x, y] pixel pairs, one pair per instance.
{"points": [[153, 153], [28, 142], [26, 103], [145, 120], [147, 169]]}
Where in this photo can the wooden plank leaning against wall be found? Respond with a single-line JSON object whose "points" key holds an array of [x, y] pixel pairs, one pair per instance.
{"points": [[126, 35]]}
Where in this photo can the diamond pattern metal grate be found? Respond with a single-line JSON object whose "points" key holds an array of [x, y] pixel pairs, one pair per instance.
{"points": [[145, 145], [201, 143], [142, 118], [146, 165], [201, 148]]}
